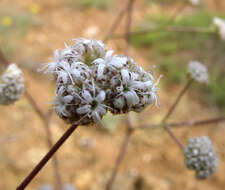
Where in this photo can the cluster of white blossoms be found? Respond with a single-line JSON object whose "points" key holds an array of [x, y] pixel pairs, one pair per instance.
{"points": [[11, 85], [195, 2], [91, 81], [198, 72], [220, 24], [200, 156]]}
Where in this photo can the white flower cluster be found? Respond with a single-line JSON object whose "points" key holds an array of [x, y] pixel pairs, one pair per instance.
{"points": [[220, 24], [195, 2], [92, 81], [66, 186], [198, 72], [200, 156], [11, 85]]}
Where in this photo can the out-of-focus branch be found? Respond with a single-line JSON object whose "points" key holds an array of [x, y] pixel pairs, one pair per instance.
{"points": [[196, 123], [120, 158], [168, 28], [116, 22], [192, 123], [171, 110], [45, 118], [174, 105], [46, 158], [128, 25]]}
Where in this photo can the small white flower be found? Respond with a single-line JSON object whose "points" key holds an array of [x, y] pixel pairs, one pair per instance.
{"points": [[220, 24], [11, 85], [61, 102], [198, 72], [195, 2], [94, 107]]}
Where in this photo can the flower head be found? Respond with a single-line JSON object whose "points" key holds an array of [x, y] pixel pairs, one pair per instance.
{"points": [[198, 72], [220, 25], [90, 81], [200, 156], [11, 85], [195, 2]]}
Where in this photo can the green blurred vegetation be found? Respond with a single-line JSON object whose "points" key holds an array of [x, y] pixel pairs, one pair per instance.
{"points": [[99, 4], [13, 28], [173, 49]]}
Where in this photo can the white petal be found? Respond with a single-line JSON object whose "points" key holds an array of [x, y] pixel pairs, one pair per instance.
{"points": [[119, 102], [95, 116], [87, 96], [131, 98], [84, 109], [101, 110], [125, 75], [101, 96], [99, 61], [101, 68], [108, 55], [75, 73], [68, 98]]}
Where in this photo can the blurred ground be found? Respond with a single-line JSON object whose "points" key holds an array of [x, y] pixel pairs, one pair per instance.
{"points": [[87, 158]]}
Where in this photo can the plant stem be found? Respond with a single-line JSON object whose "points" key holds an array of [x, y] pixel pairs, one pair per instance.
{"points": [[46, 121], [58, 180], [121, 155], [46, 158], [185, 123], [177, 100], [128, 25], [168, 28], [195, 123], [116, 23], [171, 110]]}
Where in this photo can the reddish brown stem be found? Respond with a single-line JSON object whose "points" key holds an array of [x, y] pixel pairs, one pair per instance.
{"points": [[45, 119], [172, 135], [195, 123], [174, 105], [121, 155], [185, 123], [46, 158]]}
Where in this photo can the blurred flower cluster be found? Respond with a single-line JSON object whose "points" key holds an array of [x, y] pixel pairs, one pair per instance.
{"points": [[11, 85], [91, 81], [220, 24], [195, 2], [200, 156], [198, 72]]}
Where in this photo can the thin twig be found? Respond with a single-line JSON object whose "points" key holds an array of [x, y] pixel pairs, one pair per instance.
{"points": [[128, 25], [35, 106], [58, 180], [121, 155], [46, 121], [116, 23], [172, 108], [3, 59], [46, 158], [196, 123], [174, 138], [168, 28], [184, 123]]}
